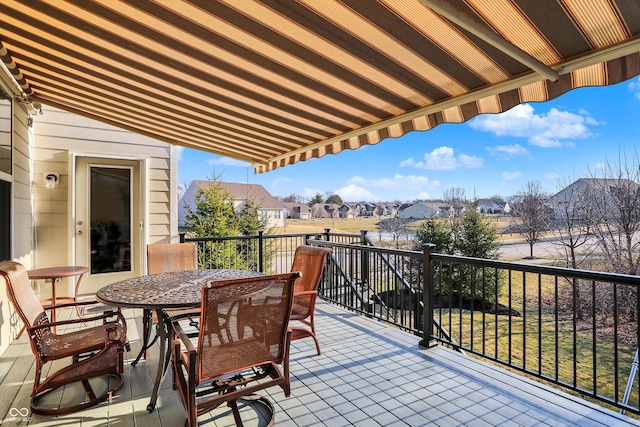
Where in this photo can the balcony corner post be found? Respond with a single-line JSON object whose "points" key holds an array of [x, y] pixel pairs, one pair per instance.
{"points": [[427, 297], [181, 237], [260, 251]]}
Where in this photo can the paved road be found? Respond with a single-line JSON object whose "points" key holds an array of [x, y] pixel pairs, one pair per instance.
{"points": [[543, 249]]}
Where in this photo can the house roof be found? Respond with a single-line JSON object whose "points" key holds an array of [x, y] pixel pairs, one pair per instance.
{"points": [[241, 191], [599, 184], [302, 207], [274, 83]]}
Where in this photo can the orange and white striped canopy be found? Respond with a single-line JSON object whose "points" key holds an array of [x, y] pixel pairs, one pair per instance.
{"points": [[275, 82]]}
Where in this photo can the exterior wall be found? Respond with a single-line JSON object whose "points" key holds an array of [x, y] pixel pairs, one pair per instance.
{"points": [[22, 213], [42, 221], [276, 217], [59, 135]]}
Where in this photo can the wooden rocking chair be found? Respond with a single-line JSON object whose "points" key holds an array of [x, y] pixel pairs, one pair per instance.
{"points": [[95, 351], [243, 346]]}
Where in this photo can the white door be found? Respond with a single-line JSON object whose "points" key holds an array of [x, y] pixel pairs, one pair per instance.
{"points": [[108, 215]]}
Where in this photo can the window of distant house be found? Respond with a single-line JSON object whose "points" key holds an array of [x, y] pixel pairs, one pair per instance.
{"points": [[276, 214], [5, 176]]}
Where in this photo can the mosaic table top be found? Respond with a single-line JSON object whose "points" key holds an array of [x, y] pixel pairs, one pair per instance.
{"points": [[165, 290]]}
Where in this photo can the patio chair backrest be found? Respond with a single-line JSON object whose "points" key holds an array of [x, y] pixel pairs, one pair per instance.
{"points": [[309, 260], [243, 323], [164, 257]]}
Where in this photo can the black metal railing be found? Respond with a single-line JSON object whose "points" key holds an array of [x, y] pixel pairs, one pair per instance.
{"points": [[574, 328]]}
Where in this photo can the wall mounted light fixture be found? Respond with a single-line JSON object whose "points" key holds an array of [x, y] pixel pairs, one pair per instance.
{"points": [[51, 179]]}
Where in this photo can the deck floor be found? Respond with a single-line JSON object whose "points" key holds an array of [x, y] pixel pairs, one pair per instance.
{"points": [[368, 375]]}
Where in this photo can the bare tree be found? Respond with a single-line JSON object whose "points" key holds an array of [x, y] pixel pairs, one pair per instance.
{"points": [[456, 199], [295, 198], [571, 228], [616, 203], [397, 227], [530, 208], [573, 221]]}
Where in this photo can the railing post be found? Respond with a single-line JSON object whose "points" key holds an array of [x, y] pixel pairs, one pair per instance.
{"points": [[181, 237], [427, 296], [260, 252], [327, 234], [363, 237]]}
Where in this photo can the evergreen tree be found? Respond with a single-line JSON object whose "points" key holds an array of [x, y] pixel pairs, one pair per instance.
{"points": [[471, 235], [214, 216], [335, 199], [316, 199], [250, 223], [437, 232]]}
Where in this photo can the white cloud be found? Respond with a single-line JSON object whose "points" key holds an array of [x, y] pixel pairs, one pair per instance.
{"points": [[508, 151], [552, 176], [355, 192], [634, 87], [396, 182], [397, 187], [279, 181], [311, 192], [510, 176], [444, 158], [180, 150], [228, 161], [554, 129]]}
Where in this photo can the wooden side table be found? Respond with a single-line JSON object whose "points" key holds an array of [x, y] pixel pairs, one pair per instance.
{"points": [[55, 274]]}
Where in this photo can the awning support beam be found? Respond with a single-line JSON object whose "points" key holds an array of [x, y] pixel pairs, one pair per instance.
{"points": [[479, 29]]}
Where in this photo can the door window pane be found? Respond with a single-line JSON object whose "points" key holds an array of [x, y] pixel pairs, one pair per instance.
{"points": [[5, 134], [110, 213], [5, 220]]}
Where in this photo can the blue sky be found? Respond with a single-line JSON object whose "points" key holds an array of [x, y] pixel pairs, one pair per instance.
{"points": [[493, 154]]}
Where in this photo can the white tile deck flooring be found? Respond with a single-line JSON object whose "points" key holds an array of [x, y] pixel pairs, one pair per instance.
{"points": [[368, 375]]}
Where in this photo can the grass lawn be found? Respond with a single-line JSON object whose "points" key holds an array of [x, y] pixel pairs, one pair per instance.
{"points": [[544, 329]]}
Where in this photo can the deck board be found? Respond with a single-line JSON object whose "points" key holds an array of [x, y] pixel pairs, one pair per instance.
{"points": [[368, 374]]}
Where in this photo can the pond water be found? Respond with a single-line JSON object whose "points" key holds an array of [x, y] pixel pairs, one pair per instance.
{"points": [[385, 235]]}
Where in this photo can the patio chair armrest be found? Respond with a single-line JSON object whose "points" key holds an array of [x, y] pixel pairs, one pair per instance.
{"points": [[182, 336], [298, 294]]}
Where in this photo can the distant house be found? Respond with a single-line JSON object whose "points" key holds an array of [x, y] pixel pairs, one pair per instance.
{"points": [[490, 206], [418, 210], [298, 210], [570, 200], [325, 210], [345, 211], [270, 207]]}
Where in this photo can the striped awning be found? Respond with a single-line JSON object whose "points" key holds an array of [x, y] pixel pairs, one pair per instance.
{"points": [[275, 82]]}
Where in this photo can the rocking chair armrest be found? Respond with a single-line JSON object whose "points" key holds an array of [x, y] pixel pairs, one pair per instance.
{"points": [[105, 315], [71, 304]]}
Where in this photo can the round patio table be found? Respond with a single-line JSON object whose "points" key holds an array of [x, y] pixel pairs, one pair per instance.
{"points": [[178, 289], [55, 274]]}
